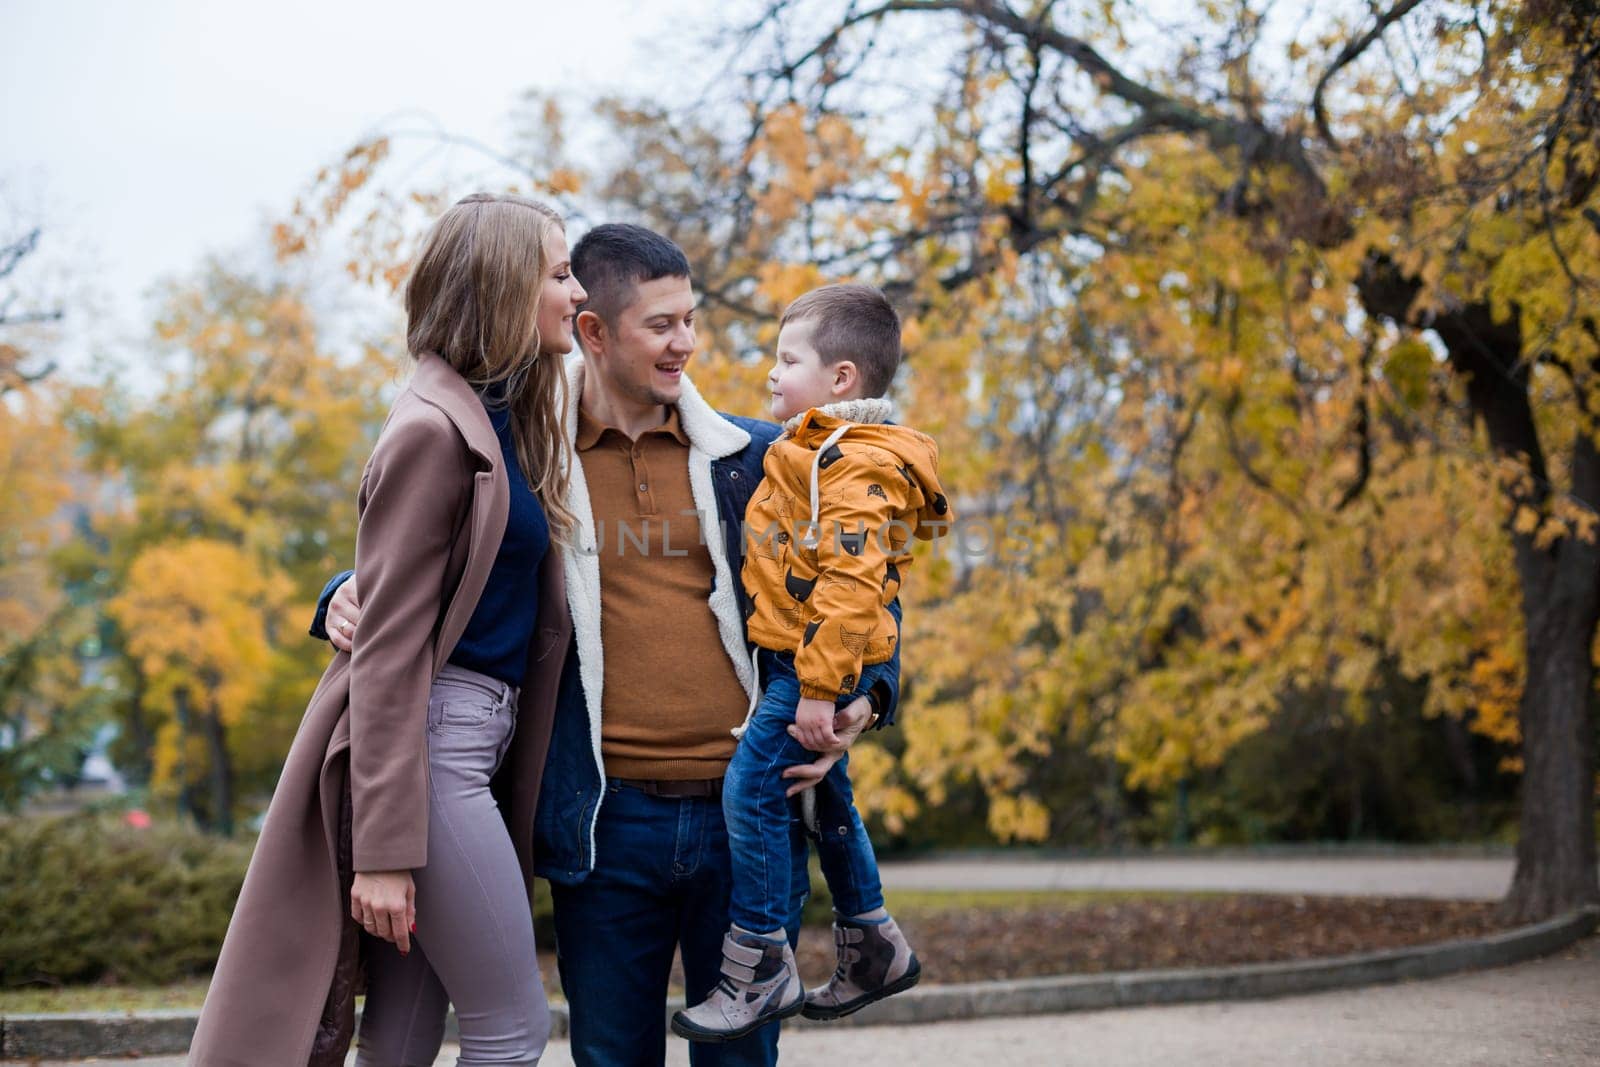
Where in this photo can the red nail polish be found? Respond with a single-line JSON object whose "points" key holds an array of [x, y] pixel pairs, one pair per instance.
{"points": [[413, 927]]}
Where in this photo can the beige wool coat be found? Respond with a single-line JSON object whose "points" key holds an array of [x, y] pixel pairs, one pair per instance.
{"points": [[353, 795]]}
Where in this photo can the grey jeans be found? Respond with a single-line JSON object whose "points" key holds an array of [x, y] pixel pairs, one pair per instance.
{"points": [[474, 941]]}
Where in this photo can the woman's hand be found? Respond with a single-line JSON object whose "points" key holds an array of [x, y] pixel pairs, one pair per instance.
{"points": [[385, 904], [847, 726], [344, 611]]}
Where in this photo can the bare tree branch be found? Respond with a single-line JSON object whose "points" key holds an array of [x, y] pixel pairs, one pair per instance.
{"points": [[1349, 54], [18, 250], [1363, 429], [1161, 112], [11, 256], [29, 318], [1023, 217]]}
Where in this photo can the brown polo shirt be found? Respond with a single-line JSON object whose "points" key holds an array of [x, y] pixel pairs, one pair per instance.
{"points": [[670, 695]]}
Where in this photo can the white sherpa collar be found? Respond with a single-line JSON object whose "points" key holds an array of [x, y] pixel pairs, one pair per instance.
{"points": [[866, 410]]}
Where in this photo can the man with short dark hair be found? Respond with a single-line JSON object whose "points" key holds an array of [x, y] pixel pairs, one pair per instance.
{"points": [[629, 828]]}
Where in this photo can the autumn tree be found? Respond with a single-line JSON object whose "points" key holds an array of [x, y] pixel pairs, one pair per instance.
{"points": [[240, 472], [47, 712], [1334, 284], [197, 617]]}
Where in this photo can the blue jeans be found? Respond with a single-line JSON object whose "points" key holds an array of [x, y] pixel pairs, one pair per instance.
{"points": [[757, 812], [661, 881]]}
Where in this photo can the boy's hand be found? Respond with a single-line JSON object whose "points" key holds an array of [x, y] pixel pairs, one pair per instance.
{"points": [[848, 723], [813, 721]]}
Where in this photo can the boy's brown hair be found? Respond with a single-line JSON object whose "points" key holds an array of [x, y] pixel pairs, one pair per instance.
{"points": [[854, 322]]}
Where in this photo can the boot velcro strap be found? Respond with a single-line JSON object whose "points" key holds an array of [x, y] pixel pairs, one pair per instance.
{"points": [[748, 955], [739, 961], [738, 970], [844, 938]]}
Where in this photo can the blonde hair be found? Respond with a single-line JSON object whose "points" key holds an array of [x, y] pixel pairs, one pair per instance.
{"points": [[473, 300]]}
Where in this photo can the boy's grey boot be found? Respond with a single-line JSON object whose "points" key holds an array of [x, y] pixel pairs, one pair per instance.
{"points": [[760, 983], [874, 962]]}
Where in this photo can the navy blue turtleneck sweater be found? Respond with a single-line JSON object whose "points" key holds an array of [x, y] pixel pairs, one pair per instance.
{"points": [[496, 638]]}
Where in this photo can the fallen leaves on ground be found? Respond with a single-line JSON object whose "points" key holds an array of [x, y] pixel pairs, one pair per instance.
{"points": [[976, 944]]}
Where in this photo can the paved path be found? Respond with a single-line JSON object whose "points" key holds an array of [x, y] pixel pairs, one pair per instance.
{"points": [[1545, 1012], [1443, 877], [1542, 1013]]}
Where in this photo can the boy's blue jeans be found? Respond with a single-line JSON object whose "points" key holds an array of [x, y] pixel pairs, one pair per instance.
{"points": [[758, 817]]}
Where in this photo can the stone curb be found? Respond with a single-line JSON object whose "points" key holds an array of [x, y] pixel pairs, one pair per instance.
{"points": [[1038, 996], [152, 1033], [1284, 851]]}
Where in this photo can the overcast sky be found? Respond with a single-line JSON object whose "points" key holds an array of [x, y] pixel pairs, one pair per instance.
{"points": [[144, 135]]}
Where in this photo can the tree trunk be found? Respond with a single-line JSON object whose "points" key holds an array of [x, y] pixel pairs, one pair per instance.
{"points": [[1560, 587], [221, 772], [186, 804], [1555, 842], [141, 739], [1458, 745]]}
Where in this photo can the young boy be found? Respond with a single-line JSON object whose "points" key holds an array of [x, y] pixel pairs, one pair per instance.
{"points": [[828, 532]]}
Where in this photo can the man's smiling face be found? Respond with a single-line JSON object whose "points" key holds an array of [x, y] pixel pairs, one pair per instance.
{"points": [[652, 339]]}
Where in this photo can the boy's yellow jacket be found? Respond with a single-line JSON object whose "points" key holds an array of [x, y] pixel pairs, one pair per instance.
{"points": [[864, 489]]}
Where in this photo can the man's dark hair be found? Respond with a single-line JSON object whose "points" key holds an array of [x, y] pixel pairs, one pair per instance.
{"points": [[854, 322], [613, 258]]}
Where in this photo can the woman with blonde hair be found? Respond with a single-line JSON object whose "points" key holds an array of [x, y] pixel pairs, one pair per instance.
{"points": [[385, 849]]}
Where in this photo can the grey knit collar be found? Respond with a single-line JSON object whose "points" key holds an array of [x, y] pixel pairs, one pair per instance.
{"points": [[868, 409]]}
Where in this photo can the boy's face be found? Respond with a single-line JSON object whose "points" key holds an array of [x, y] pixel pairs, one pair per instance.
{"points": [[799, 381]]}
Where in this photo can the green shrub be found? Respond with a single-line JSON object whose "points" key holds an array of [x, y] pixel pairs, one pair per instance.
{"points": [[87, 898]]}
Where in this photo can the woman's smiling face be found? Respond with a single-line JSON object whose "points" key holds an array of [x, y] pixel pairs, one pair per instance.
{"points": [[559, 298]]}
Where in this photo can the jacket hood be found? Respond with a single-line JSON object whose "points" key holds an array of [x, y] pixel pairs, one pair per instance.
{"points": [[915, 455]]}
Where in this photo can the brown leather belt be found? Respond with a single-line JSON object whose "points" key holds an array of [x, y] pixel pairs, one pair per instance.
{"points": [[666, 787]]}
